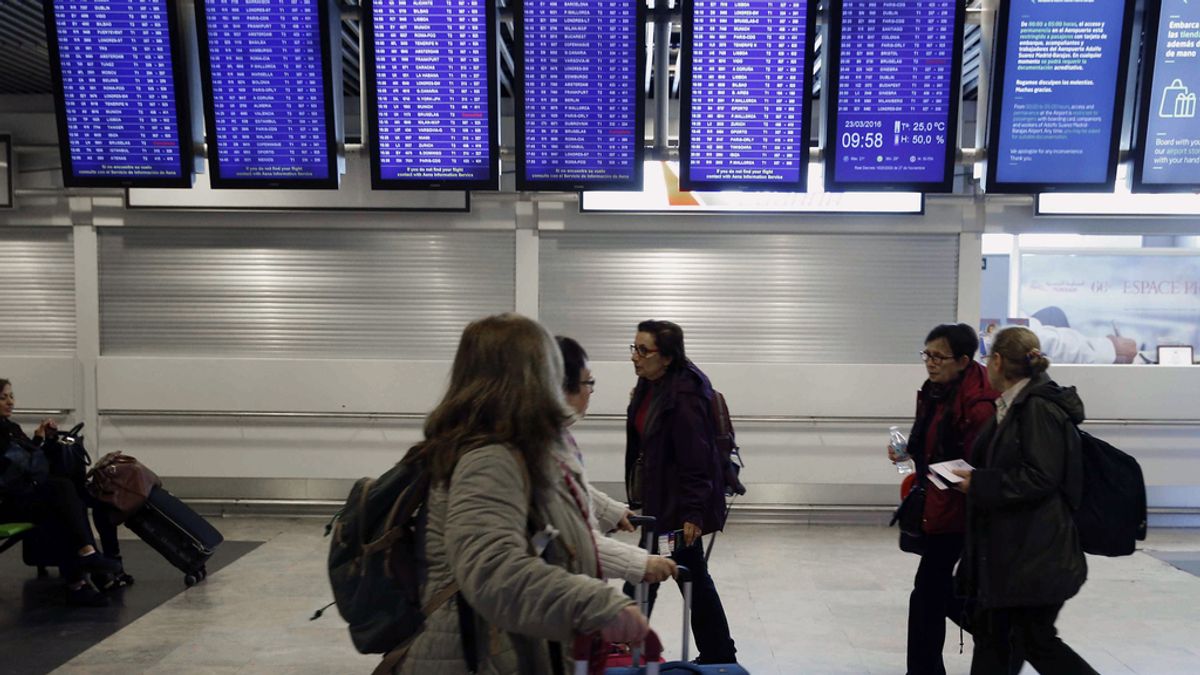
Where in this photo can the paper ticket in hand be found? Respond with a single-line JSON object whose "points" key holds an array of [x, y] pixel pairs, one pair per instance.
{"points": [[937, 482], [945, 470]]}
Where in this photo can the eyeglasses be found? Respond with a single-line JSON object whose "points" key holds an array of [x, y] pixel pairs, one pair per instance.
{"points": [[641, 351], [934, 358], [590, 384]]}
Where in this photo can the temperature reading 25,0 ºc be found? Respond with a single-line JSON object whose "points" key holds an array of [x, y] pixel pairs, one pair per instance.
{"points": [[855, 139]]}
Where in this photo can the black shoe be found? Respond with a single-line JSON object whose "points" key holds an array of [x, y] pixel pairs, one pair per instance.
{"points": [[95, 562], [107, 582], [86, 596]]}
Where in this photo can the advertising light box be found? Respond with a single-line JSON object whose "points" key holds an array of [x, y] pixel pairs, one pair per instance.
{"points": [[1168, 145], [1058, 95], [120, 93], [431, 94], [747, 79], [269, 108], [895, 79], [579, 74]]}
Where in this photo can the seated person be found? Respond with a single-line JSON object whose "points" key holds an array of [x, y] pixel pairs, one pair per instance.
{"points": [[54, 502]]}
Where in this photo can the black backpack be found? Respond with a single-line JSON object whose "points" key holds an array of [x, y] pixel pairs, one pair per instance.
{"points": [[1112, 514], [376, 558], [377, 564], [727, 447]]}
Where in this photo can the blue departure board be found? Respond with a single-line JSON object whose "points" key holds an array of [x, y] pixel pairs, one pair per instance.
{"points": [[120, 93], [1168, 147], [431, 68], [580, 66], [746, 90], [894, 84], [1058, 95], [268, 94]]}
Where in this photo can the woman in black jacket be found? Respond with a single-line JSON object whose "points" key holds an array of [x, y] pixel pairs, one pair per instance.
{"points": [[1022, 559], [54, 501], [673, 471]]}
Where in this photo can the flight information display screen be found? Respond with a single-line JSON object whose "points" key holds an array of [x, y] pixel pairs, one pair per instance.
{"points": [[580, 66], [1168, 157], [746, 83], [269, 100], [120, 93], [895, 71], [431, 99], [1059, 92]]}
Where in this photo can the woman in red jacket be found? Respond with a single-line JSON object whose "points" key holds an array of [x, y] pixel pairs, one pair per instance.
{"points": [[952, 406]]}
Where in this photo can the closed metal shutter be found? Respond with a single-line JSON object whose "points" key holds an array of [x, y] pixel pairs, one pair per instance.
{"points": [[752, 298], [37, 300], [299, 293]]}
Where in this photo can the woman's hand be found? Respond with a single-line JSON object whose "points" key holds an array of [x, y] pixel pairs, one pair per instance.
{"points": [[46, 429], [892, 454], [625, 525], [965, 485], [659, 569], [628, 626], [691, 532]]}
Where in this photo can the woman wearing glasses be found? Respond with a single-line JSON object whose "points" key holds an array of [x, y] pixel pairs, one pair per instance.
{"points": [[673, 472], [955, 402], [618, 560]]}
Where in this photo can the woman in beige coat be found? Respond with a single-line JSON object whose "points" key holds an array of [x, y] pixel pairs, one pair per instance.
{"points": [[491, 443]]}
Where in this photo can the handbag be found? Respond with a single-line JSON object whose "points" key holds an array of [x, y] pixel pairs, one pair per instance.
{"points": [[67, 455], [123, 483], [910, 515], [27, 468]]}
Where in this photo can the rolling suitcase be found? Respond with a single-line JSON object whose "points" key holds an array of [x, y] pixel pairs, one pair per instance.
{"points": [[178, 533], [653, 648]]}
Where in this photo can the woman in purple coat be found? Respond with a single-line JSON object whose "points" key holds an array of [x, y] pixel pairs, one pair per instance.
{"points": [[673, 471]]}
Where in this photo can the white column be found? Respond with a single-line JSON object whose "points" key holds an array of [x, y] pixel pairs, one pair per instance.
{"points": [[87, 316]]}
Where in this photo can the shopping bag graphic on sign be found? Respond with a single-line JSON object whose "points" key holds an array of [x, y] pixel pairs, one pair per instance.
{"points": [[1177, 102]]}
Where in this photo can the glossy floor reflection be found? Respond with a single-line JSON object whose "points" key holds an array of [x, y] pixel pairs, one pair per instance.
{"points": [[801, 599]]}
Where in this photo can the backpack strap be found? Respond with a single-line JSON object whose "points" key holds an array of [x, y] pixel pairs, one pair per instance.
{"points": [[466, 615]]}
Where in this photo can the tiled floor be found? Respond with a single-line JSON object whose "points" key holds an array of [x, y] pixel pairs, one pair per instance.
{"points": [[800, 600]]}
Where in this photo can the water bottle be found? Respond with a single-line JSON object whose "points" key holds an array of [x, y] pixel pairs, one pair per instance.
{"points": [[899, 445]]}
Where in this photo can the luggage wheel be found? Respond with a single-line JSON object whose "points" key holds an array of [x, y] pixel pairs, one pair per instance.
{"points": [[196, 577]]}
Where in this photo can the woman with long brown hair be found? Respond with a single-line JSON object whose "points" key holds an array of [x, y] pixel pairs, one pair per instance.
{"points": [[507, 522]]}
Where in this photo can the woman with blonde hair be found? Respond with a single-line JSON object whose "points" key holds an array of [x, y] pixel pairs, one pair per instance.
{"points": [[1022, 558], [507, 522]]}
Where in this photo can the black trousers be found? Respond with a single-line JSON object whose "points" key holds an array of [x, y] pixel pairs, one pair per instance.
{"points": [[932, 602], [710, 627], [1004, 638]]}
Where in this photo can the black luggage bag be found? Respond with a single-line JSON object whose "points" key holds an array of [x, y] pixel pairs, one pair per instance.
{"points": [[178, 533]]}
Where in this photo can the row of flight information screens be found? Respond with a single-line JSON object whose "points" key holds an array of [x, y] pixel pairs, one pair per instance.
{"points": [[268, 76]]}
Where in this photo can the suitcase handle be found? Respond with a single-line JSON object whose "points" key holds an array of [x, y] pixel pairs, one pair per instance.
{"points": [[642, 521], [685, 582]]}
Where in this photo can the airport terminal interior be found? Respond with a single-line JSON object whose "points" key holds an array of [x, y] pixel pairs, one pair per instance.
{"points": [[240, 241]]}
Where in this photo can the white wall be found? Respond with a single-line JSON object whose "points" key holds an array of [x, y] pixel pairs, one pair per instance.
{"points": [[811, 433]]}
